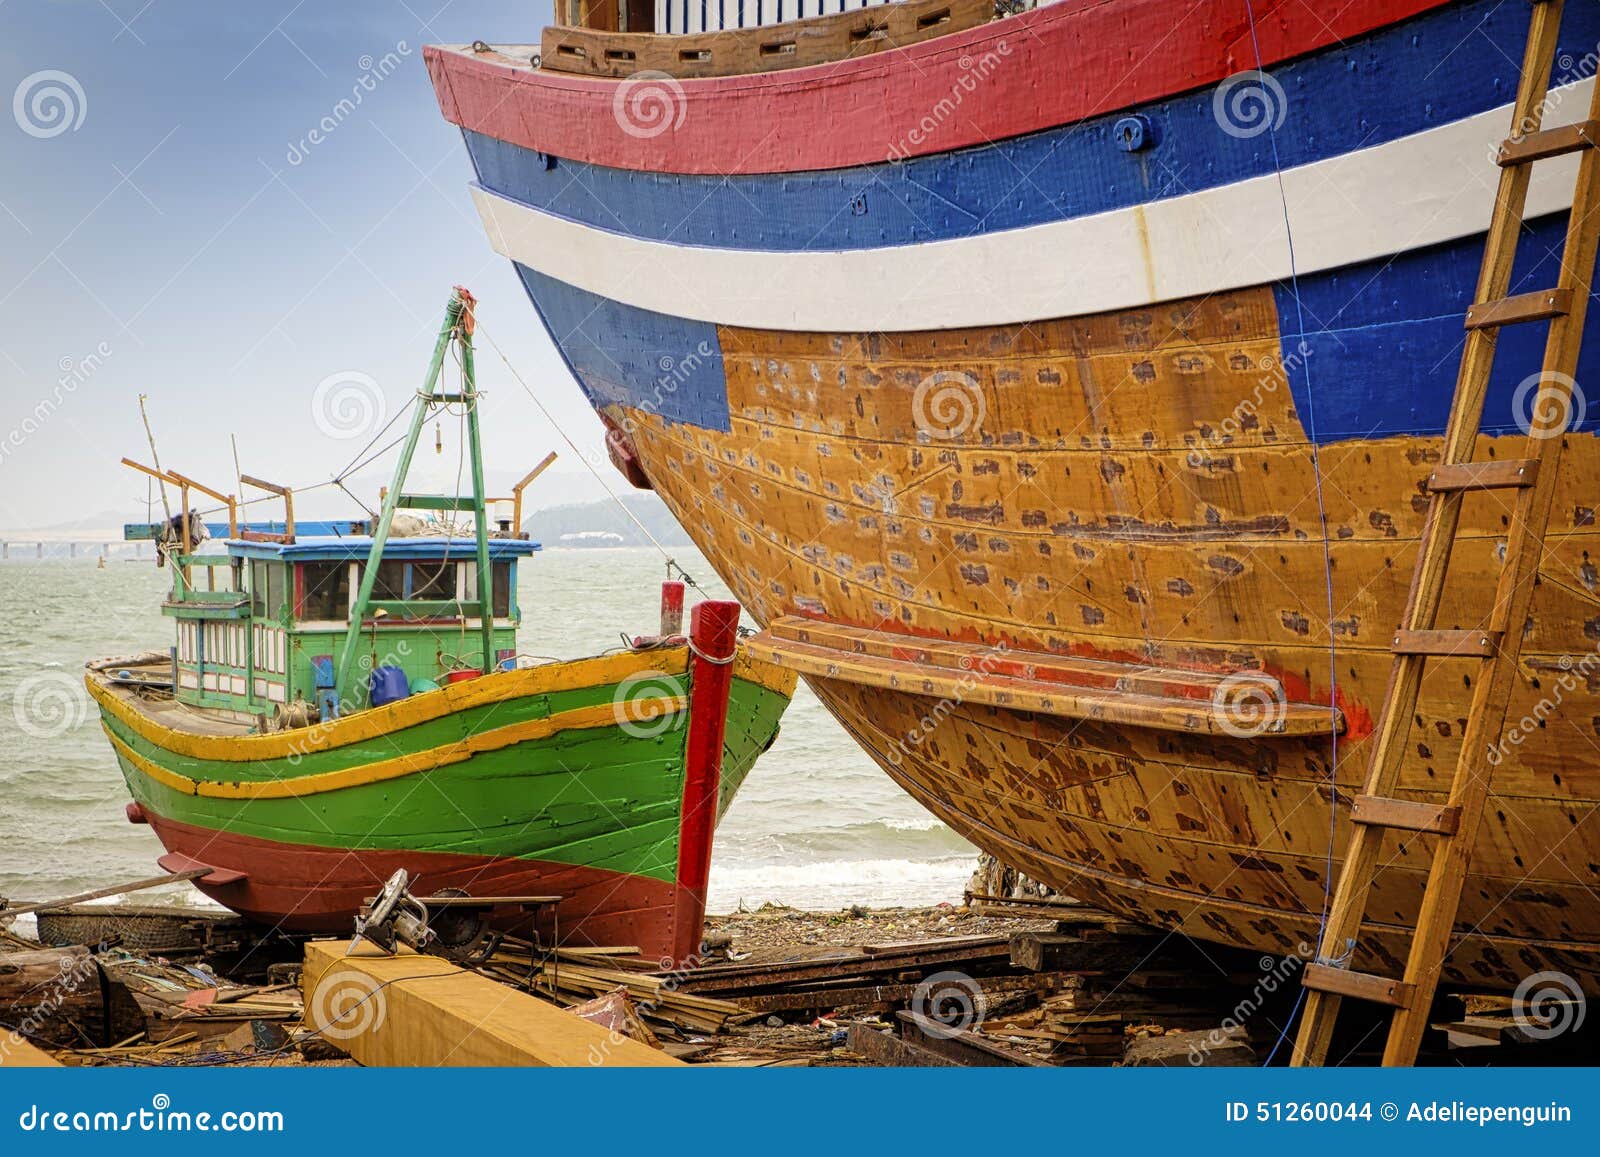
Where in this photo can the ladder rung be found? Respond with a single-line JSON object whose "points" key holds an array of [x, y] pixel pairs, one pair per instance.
{"points": [[1475, 643], [1513, 473], [1540, 306], [1382, 812], [1361, 985], [1550, 143], [434, 502]]}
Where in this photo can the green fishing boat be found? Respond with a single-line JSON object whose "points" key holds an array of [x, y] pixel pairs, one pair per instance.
{"points": [[344, 700]]}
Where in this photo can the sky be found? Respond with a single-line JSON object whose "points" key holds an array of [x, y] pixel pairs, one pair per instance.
{"points": [[169, 226]]}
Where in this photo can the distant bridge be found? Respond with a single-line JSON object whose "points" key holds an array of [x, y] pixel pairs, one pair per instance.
{"points": [[78, 542]]}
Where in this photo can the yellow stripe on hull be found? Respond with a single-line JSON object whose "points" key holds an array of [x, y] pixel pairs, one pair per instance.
{"points": [[603, 715]]}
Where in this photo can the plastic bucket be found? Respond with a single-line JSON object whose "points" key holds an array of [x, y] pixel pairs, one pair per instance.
{"points": [[387, 685], [462, 676]]}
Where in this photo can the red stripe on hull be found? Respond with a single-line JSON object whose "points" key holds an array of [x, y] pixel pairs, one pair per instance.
{"points": [[302, 888], [1059, 64]]}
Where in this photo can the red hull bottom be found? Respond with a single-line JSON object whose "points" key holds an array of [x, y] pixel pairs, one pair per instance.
{"points": [[300, 888]]}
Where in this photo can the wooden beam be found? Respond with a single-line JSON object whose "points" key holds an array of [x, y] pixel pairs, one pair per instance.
{"points": [[102, 893], [516, 491], [411, 1009]]}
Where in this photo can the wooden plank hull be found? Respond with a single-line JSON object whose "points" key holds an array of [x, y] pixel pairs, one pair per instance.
{"points": [[1171, 398], [566, 780]]}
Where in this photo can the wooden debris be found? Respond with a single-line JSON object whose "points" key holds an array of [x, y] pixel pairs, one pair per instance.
{"points": [[884, 1048], [63, 996], [615, 1011], [1216, 1048], [9, 912]]}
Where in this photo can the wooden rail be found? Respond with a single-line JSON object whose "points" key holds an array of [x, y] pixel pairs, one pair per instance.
{"points": [[738, 51]]}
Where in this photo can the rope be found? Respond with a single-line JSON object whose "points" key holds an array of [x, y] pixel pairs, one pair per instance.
{"points": [[672, 563], [1322, 518]]}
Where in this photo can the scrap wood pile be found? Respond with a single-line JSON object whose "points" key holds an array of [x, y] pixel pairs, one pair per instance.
{"points": [[1086, 988], [191, 1001], [579, 977]]}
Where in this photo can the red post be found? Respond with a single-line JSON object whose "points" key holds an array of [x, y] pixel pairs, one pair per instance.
{"points": [[713, 641], [671, 608]]}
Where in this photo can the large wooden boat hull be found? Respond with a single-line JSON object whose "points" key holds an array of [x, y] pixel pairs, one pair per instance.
{"points": [[566, 780], [1007, 340]]}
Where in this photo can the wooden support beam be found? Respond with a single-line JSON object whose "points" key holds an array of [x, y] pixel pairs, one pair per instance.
{"points": [[410, 1010], [102, 893], [516, 491]]}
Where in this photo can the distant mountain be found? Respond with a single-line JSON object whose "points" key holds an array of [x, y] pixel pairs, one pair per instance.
{"points": [[590, 524]]}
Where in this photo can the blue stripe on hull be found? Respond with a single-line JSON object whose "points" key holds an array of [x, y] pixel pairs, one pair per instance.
{"points": [[622, 355], [1440, 68], [1384, 339]]}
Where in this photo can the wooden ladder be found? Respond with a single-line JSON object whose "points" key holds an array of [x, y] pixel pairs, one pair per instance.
{"points": [[1453, 827]]}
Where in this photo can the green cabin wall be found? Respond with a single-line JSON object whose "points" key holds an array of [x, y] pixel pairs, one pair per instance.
{"points": [[425, 650]]}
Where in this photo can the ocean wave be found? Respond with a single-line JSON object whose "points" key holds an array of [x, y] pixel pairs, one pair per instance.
{"points": [[837, 883]]}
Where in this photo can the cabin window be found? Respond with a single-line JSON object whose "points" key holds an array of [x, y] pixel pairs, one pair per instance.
{"points": [[266, 589], [433, 579], [427, 579], [502, 587], [390, 585], [327, 591]]}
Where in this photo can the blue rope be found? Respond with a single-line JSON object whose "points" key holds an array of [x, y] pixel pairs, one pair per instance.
{"points": [[1322, 516]]}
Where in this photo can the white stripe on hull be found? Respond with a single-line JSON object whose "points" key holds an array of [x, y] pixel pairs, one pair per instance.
{"points": [[1431, 187]]}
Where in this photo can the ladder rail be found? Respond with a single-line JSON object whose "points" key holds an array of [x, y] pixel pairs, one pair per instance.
{"points": [[1440, 530], [1513, 599]]}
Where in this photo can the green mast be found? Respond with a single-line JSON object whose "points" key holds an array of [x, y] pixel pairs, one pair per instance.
{"points": [[458, 326]]}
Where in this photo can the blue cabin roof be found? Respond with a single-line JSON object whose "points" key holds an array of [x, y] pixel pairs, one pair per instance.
{"points": [[356, 548]]}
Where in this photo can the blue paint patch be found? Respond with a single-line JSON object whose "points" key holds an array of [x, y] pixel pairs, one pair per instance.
{"points": [[1422, 74], [623, 355], [1384, 340]]}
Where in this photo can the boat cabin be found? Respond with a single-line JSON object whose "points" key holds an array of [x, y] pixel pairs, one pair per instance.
{"points": [[260, 628]]}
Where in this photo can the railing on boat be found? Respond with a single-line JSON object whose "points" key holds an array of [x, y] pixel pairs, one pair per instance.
{"points": [[739, 51]]}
